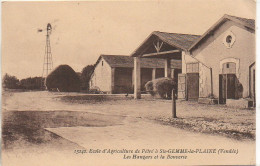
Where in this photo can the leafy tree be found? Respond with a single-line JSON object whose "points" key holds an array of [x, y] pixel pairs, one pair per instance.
{"points": [[85, 76], [10, 82], [32, 83]]}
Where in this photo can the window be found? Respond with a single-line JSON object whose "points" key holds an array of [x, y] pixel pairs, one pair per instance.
{"points": [[229, 39], [192, 68], [102, 63], [229, 68]]}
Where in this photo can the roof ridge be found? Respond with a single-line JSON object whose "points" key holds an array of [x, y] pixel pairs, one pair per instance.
{"points": [[113, 55], [176, 33], [239, 17]]}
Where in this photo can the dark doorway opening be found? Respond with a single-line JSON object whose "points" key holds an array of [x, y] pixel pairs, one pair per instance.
{"points": [[192, 86], [229, 87]]}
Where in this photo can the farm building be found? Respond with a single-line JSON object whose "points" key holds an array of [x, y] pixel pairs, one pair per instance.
{"points": [[114, 73], [163, 45], [220, 63]]}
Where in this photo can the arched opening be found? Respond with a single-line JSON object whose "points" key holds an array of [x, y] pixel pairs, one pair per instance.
{"points": [[229, 85]]}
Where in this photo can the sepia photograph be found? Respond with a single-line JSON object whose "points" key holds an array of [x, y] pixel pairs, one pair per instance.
{"points": [[128, 83]]}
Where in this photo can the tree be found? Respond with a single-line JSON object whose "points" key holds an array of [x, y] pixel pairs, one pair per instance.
{"points": [[63, 79], [32, 83], [10, 82], [85, 76]]}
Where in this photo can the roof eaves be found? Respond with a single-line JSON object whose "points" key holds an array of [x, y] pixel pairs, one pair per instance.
{"points": [[157, 33], [103, 56], [235, 19], [134, 52], [206, 33]]}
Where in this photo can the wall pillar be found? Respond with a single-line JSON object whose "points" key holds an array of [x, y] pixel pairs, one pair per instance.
{"points": [[172, 73], [137, 78], [133, 77], [167, 68], [154, 73], [112, 80]]}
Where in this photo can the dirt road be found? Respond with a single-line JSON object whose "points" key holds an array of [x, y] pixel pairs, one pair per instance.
{"points": [[41, 129]]}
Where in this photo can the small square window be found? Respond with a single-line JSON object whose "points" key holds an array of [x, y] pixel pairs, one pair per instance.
{"points": [[227, 65]]}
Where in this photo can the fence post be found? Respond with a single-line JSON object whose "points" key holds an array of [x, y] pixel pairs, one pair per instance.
{"points": [[173, 104]]}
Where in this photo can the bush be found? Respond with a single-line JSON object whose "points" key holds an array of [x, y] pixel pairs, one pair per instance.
{"points": [[149, 88], [161, 86], [10, 82], [63, 78]]}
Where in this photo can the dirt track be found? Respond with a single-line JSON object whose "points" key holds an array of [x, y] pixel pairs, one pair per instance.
{"points": [[39, 125]]}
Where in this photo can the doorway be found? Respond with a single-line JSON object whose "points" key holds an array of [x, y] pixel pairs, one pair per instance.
{"points": [[228, 82], [192, 86], [228, 87]]}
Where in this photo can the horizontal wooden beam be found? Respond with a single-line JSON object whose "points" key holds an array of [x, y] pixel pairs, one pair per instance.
{"points": [[161, 53]]}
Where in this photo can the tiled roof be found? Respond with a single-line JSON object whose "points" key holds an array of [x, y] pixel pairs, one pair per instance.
{"points": [[249, 23], [183, 41], [176, 40], [128, 61]]}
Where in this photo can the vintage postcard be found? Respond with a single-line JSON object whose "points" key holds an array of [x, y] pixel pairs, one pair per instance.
{"points": [[133, 83]]}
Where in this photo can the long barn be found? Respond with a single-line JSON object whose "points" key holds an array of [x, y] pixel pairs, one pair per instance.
{"points": [[114, 73]]}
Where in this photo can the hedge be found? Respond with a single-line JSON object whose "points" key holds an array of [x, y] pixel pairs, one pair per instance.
{"points": [[161, 86], [63, 79]]}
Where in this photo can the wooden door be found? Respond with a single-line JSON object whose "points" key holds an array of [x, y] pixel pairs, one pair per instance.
{"points": [[192, 86], [227, 87], [222, 88], [181, 86], [231, 86]]}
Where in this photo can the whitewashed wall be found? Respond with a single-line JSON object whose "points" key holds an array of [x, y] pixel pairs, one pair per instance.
{"points": [[102, 77], [213, 51]]}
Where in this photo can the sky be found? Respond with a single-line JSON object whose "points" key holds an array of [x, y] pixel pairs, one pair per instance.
{"points": [[83, 30]]}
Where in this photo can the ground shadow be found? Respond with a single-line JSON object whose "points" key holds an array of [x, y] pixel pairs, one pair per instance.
{"points": [[27, 127]]}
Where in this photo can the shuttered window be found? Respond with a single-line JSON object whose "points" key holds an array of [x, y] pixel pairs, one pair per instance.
{"points": [[192, 67]]}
